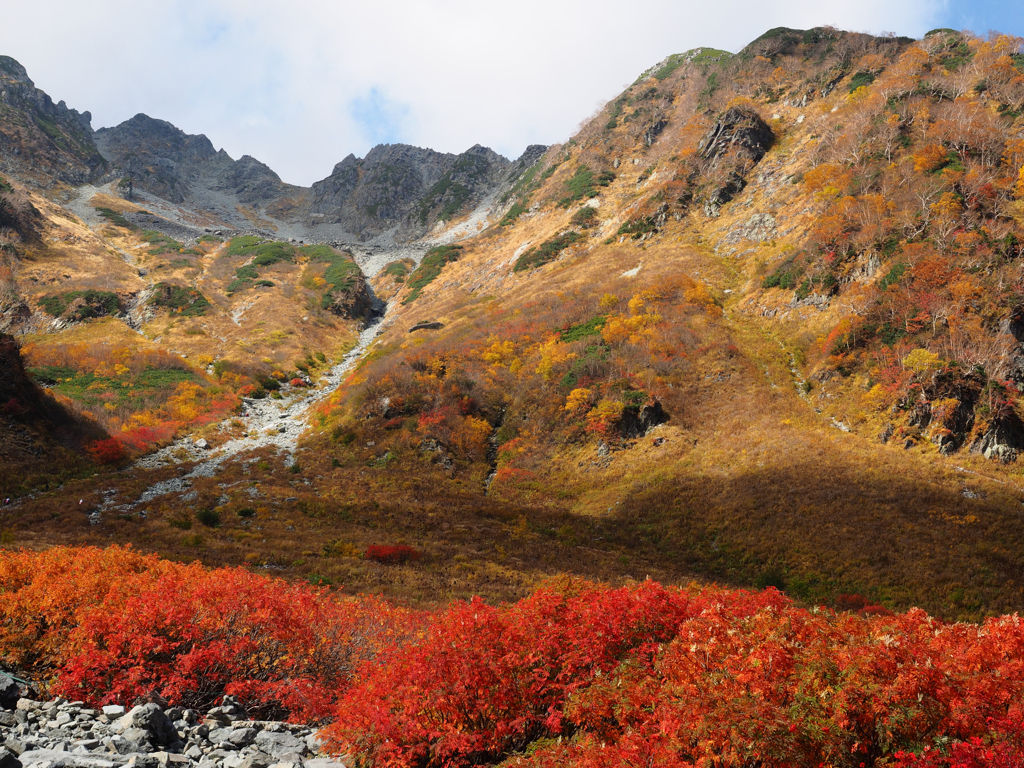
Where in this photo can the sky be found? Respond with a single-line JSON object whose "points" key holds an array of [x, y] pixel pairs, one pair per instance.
{"points": [[300, 84]]}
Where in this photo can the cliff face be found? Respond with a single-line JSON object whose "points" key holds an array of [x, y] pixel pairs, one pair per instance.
{"points": [[397, 186], [40, 140], [182, 168]]}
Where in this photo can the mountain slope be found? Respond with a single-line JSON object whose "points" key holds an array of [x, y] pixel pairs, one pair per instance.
{"points": [[756, 322]]}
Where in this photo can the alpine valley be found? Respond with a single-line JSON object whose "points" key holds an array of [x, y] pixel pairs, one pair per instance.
{"points": [[696, 440]]}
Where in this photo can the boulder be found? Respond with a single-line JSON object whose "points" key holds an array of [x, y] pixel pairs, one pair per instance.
{"points": [[279, 744], [636, 421], [151, 719], [8, 759], [1003, 440], [10, 692]]}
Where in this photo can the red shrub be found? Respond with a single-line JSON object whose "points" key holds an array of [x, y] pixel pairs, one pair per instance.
{"points": [[114, 625], [653, 676], [108, 451], [296, 382], [390, 555]]}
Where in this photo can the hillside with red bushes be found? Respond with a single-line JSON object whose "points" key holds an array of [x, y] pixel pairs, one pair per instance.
{"points": [[575, 674]]}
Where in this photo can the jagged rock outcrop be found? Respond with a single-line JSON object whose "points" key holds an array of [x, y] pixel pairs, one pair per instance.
{"points": [[734, 145], [355, 302], [397, 186], [39, 140], [1003, 440], [184, 168]]}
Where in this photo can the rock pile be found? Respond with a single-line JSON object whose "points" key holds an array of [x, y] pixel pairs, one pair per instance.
{"points": [[68, 734]]}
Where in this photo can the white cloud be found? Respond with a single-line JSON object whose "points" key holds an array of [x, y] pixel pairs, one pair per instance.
{"points": [[299, 85]]}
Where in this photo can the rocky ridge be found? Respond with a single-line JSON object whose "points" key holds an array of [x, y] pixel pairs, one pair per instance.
{"points": [[68, 734], [40, 139]]}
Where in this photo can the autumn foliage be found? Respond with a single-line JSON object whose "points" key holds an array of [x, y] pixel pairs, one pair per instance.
{"points": [[576, 674], [648, 675], [113, 625]]}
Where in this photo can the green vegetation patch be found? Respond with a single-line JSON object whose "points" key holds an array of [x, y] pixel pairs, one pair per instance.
{"points": [[90, 304], [519, 207], [861, 80], [161, 243], [893, 275], [786, 277], [591, 327], [115, 218], [585, 217], [341, 274], [239, 246], [399, 270], [637, 228], [177, 298], [545, 252], [591, 364], [430, 268], [150, 386], [583, 184], [265, 254]]}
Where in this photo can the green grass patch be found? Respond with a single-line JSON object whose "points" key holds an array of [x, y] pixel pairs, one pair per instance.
{"points": [[134, 393], [90, 304], [591, 327], [239, 246], [429, 269], [545, 252], [161, 243], [399, 270], [115, 218], [264, 255], [184, 301]]}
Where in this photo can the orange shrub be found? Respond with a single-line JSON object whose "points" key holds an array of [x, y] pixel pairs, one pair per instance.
{"points": [[113, 625]]}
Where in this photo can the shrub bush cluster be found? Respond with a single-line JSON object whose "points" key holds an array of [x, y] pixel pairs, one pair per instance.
{"points": [[577, 674]]}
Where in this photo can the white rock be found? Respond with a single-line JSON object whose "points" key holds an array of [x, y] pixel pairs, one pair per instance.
{"points": [[129, 719], [113, 710]]}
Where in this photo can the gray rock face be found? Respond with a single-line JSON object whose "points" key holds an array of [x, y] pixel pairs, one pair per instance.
{"points": [[145, 737], [174, 165], [1003, 440], [737, 141], [41, 137], [397, 185]]}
